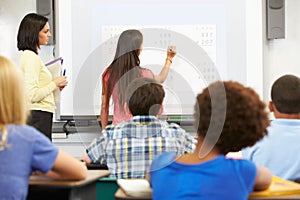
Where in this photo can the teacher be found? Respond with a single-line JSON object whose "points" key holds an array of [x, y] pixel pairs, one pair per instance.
{"points": [[34, 31]]}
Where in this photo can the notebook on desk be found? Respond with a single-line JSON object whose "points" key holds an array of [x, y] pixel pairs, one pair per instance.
{"points": [[135, 187], [278, 187]]}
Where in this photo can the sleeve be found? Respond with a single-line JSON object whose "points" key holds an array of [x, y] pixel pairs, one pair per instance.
{"points": [[250, 153], [44, 153], [31, 65], [96, 150], [189, 142], [247, 173], [147, 73]]}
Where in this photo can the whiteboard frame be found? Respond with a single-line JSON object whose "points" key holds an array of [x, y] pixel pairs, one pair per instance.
{"points": [[254, 46]]}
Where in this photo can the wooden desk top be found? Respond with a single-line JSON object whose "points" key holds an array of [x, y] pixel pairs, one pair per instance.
{"points": [[285, 197], [279, 189], [121, 195], [93, 175]]}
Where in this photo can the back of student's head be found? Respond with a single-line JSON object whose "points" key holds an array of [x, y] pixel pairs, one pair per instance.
{"points": [[144, 96], [13, 109], [130, 41], [285, 94], [28, 33], [230, 116]]}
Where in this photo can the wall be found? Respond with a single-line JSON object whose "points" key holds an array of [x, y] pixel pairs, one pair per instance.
{"points": [[282, 56], [11, 14]]}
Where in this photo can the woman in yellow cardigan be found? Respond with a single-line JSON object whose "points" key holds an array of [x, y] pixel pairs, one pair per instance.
{"points": [[34, 31]]}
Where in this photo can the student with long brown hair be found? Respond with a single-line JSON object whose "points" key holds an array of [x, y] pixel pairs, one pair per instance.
{"points": [[124, 68]]}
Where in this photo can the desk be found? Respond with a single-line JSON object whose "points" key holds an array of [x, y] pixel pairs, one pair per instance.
{"points": [[285, 197], [120, 195], [46, 188]]}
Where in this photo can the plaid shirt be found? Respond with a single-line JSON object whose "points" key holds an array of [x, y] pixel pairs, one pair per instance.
{"points": [[128, 148]]}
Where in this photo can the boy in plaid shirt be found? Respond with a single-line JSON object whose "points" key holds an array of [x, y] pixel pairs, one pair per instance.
{"points": [[129, 147]]}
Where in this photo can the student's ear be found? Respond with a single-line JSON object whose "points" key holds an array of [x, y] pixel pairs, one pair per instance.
{"points": [[126, 108], [161, 110], [271, 106]]}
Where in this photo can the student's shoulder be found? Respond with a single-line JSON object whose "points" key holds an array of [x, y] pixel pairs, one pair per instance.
{"points": [[147, 73], [172, 125], [246, 171], [24, 128], [175, 128], [163, 160], [25, 131], [243, 166], [113, 131]]}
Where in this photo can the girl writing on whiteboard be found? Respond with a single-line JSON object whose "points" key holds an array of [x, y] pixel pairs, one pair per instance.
{"points": [[124, 68], [34, 31]]}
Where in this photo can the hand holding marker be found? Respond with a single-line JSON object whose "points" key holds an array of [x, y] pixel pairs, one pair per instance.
{"points": [[171, 53]]}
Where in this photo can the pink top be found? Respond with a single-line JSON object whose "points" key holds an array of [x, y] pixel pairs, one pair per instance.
{"points": [[119, 116]]}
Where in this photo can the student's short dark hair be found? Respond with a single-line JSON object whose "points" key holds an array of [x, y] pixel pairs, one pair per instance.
{"points": [[28, 34], [285, 94], [144, 96], [240, 108]]}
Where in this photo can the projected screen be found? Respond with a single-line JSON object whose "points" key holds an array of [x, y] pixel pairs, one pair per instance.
{"points": [[210, 41]]}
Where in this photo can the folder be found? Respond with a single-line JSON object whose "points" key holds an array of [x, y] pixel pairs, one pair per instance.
{"points": [[278, 187], [55, 68]]}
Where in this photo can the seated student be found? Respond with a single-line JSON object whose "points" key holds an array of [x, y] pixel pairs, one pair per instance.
{"points": [[129, 147], [228, 117], [23, 149], [278, 151]]}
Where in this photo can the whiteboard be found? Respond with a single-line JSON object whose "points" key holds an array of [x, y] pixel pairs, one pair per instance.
{"points": [[216, 40]]}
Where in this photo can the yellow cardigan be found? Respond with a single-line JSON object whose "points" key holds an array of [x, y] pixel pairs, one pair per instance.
{"points": [[38, 82]]}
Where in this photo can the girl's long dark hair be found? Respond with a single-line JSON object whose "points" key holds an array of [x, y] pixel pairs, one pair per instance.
{"points": [[126, 64]]}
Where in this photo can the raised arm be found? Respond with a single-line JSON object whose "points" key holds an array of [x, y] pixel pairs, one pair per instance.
{"points": [[162, 76], [263, 178]]}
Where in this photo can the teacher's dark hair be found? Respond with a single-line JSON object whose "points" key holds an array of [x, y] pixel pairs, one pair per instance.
{"points": [[28, 34]]}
